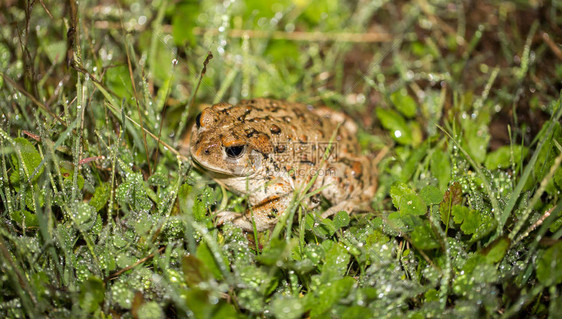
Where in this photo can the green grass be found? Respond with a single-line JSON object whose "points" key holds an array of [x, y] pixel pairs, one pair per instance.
{"points": [[98, 219]]}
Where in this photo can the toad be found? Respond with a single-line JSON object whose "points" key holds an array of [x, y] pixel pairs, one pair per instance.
{"points": [[269, 149]]}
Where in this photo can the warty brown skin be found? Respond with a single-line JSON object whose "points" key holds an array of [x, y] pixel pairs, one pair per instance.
{"points": [[268, 149]]}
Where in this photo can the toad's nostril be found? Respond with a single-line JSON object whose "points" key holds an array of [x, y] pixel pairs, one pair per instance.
{"points": [[207, 151], [198, 120]]}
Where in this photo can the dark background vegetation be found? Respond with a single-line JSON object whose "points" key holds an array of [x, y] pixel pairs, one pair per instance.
{"points": [[99, 219]]}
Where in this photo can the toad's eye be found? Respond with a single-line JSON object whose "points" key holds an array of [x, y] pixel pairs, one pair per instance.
{"points": [[235, 151]]}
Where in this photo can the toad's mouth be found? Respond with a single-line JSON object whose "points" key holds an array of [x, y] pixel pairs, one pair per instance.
{"points": [[207, 168], [214, 171]]}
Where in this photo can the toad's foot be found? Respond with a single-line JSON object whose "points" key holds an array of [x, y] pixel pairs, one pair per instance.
{"points": [[237, 219], [346, 206], [244, 221]]}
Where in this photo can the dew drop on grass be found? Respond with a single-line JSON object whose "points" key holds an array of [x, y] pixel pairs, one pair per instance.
{"points": [[409, 75], [290, 27], [213, 300], [262, 22]]}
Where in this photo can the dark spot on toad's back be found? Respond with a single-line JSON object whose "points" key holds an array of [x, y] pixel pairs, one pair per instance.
{"points": [[280, 148], [275, 129], [250, 132]]}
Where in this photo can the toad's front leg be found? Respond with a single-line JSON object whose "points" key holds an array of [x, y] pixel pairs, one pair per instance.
{"points": [[264, 214]]}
